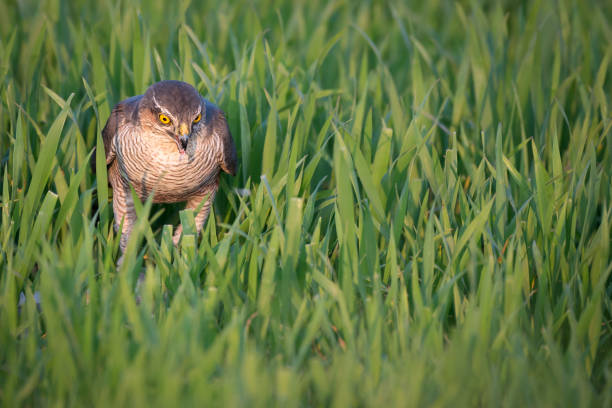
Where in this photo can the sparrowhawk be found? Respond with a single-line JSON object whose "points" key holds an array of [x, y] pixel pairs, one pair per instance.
{"points": [[169, 142]]}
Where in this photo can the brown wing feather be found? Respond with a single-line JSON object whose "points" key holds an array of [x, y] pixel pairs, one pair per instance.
{"points": [[228, 159], [123, 112]]}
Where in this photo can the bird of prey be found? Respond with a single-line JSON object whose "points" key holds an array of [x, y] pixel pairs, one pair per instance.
{"points": [[171, 143]]}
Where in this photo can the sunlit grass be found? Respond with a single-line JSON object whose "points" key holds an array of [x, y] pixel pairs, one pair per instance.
{"points": [[422, 213]]}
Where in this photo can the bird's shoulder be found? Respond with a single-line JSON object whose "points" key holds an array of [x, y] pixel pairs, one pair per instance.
{"points": [[217, 122], [211, 111], [123, 113]]}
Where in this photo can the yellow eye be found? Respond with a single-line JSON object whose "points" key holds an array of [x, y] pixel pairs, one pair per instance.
{"points": [[164, 119], [197, 119]]}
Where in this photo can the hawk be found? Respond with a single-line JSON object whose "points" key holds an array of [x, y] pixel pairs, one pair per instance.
{"points": [[170, 143]]}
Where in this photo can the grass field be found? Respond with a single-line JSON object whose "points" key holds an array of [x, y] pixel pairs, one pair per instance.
{"points": [[422, 213]]}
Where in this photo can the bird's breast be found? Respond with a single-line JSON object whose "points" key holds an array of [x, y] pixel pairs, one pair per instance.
{"points": [[154, 165]]}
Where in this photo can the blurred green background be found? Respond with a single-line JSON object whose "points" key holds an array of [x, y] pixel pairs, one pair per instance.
{"points": [[421, 214]]}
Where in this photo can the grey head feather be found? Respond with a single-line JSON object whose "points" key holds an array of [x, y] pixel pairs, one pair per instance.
{"points": [[179, 99]]}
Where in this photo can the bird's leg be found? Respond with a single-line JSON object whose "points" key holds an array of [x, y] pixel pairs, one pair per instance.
{"points": [[123, 207], [194, 202]]}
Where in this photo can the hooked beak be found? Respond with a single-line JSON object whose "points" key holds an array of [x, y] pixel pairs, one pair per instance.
{"points": [[183, 138]]}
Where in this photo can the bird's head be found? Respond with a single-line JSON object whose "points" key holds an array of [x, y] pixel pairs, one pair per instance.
{"points": [[174, 108]]}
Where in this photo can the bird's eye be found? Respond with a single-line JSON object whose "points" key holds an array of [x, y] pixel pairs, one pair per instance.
{"points": [[197, 118], [164, 119]]}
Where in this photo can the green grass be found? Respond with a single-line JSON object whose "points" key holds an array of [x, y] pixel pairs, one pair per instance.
{"points": [[428, 218]]}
